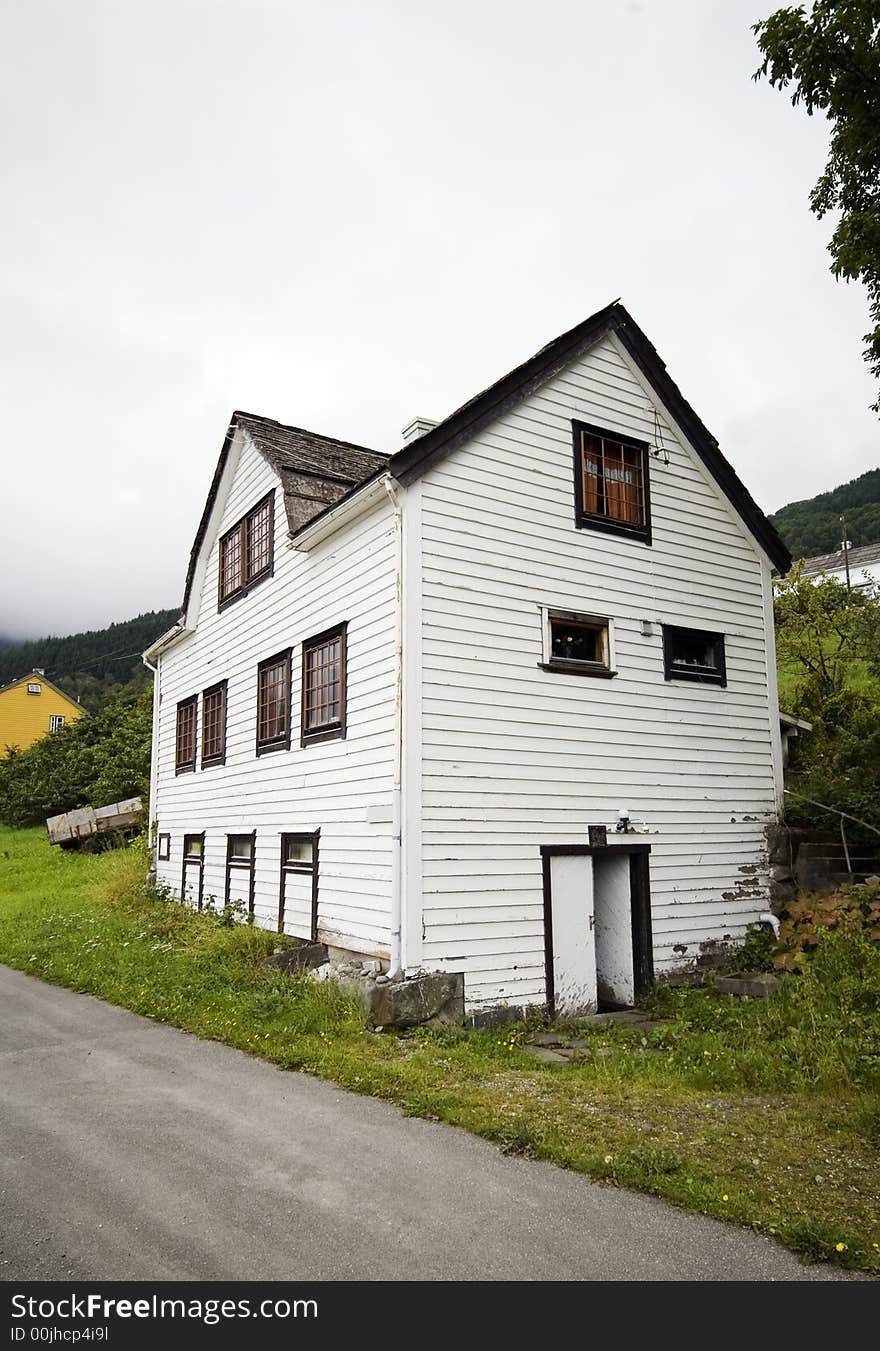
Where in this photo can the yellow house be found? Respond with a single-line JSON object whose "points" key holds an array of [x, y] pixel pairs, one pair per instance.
{"points": [[30, 708]]}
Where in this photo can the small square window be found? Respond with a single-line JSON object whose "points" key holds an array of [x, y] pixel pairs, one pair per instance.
{"points": [[577, 644], [694, 654], [163, 847], [240, 849], [34, 688], [56, 722], [611, 482], [298, 852], [194, 847]]}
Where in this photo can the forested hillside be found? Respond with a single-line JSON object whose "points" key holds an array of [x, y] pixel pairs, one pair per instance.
{"points": [[87, 665], [813, 526]]}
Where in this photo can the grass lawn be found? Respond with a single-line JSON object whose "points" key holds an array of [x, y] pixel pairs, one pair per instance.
{"points": [[765, 1113]]}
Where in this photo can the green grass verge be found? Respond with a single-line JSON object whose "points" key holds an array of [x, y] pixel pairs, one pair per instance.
{"points": [[765, 1113]]}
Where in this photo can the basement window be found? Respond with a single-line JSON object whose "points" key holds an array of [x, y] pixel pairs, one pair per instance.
{"points": [[298, 853], [694, 654], [576, 644], [194, 847]]}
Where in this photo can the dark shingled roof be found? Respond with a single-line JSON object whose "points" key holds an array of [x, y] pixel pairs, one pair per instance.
{"points": [[315, 471], [862, 556], [427, 450]]}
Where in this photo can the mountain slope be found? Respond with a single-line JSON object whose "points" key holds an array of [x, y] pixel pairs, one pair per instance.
{"points": [[813, 525], [85, 665]]}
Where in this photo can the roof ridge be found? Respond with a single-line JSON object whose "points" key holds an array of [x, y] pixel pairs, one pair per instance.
{"points": [[240, 414]]}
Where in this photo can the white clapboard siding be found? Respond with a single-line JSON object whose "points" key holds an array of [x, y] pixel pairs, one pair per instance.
{"points": [[343, 787], [513, 757]]}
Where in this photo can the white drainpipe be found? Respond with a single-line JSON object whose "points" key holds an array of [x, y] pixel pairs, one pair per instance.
{"points": [[772, 920], [154, 752], [395, 969]]}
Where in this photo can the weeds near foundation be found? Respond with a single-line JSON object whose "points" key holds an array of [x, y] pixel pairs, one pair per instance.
{"points": [[761, 1112]]}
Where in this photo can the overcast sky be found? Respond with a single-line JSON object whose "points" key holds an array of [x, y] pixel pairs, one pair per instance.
{"points": [[342, 215]]}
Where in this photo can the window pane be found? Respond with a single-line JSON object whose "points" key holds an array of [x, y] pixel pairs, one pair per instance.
{"points": [[241, 848], [213, 720], [192, 846], [272, 701], [186, 733], [258, 541], [695, 650], [577, 642], [323, 674], [230, 563], [612, 479], [300, 851]]}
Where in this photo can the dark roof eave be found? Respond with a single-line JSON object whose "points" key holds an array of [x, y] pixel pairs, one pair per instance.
{"points": [[466, 422]]}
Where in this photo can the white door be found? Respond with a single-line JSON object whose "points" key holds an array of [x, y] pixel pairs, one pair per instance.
{"points": [[572, 925]]}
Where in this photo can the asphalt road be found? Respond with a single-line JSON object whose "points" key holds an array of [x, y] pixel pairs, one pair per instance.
{"points": [[129, 1150]]}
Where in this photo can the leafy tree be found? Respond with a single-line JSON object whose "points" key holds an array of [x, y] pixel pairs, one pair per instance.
{"points": [[95, 760], [828, 644], [832, 59]]}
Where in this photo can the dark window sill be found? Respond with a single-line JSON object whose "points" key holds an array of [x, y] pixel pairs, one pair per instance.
{"points": [[214, 761], [307, 868], [185, 769], [696, 677], [565, 668], [328, 734], [641, 533], [269, 746], [244, 590]]}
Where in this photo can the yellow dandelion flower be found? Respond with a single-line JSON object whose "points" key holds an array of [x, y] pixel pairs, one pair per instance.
{"points": [[840, 1247], [707, 1053], [725, 1197]]}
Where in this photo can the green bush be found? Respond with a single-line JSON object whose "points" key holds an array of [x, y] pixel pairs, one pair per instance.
{"points": [[95, 760]]}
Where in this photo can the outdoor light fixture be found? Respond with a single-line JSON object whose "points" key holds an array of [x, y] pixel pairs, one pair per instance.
{"points": [[622, 826]]}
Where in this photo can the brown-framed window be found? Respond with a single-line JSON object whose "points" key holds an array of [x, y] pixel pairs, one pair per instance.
{"points": [[163, 847], [694, 654], [324, 676], [611, 482], [194, 847], [240, 859], [185, 742], [577, 644], [273, 703], [246, 554], [298, 898], [214, 725], [193, 858]]}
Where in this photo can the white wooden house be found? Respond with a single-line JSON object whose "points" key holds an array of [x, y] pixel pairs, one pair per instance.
{"points": [[408, 691]]}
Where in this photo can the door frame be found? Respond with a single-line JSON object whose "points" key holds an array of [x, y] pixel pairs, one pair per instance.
{"points": [[286, 868], [640, 905]]}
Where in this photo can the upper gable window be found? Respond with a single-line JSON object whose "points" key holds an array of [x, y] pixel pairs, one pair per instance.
{"points": [[694, 654], [611, 486], [246, 552]]}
